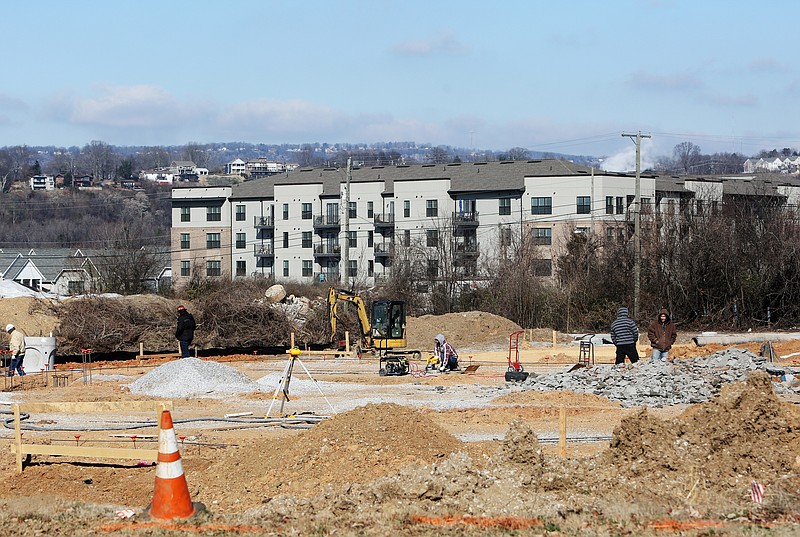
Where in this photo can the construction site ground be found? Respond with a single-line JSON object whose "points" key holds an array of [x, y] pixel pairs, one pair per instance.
{"points": [[420, 454]]}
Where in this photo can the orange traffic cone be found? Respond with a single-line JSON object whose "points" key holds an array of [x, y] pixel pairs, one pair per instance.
{"points": [[171, 495]]}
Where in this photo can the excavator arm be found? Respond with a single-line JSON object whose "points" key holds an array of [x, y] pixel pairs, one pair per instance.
{"points": [[340, 295]]}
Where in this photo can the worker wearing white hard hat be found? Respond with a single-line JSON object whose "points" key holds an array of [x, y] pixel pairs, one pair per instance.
{"points": [[17, 348]]}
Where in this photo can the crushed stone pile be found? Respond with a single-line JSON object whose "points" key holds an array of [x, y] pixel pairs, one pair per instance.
{"points": [[656, 383], [189, 377]]}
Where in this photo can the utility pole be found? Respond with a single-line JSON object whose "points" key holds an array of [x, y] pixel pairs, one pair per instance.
{"points": [[346, 255], [637, 218]]}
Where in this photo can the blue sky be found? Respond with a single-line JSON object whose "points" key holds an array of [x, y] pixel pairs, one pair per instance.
{"points": [[566, 77]]}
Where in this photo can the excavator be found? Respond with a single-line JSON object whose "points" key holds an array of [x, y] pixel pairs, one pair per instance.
{"points": [[385, 335]]}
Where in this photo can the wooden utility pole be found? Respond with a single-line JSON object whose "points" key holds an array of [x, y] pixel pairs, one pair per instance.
{"points": [[346, 247], [637, 217]]}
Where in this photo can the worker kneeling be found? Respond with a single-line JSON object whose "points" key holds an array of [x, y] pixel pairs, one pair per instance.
{"points": [[448, 357]]}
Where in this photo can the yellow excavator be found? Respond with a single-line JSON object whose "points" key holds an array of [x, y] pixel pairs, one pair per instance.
{"points": [[384, 335]]}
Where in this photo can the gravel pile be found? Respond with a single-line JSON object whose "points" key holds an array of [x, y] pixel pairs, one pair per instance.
{"points": [[189, 377], [655, 383]]}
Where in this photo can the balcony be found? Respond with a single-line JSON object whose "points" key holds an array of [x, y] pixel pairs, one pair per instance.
{"points": [[384, 249], [263, 250], [327, 221], [383, 220], [466, 250], [264, 222], [327, 276], [463, 219], [329, 250]]}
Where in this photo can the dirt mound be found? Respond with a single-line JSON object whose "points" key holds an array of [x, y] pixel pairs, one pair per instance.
{"points": [[34, 316], [473, 329], [351, 447], [745, 433]]}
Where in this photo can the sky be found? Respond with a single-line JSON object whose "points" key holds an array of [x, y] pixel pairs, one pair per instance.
{"points": [[557, 76]]}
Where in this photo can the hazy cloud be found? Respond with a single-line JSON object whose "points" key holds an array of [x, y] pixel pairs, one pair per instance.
{"points": [[669, 82], [740, 101], [766, 65], [445, 43], [140, 106], [290, 117]]}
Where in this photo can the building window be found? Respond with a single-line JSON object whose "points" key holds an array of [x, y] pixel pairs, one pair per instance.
{"points": [[406, 237], [185, 243], [542, 267], [213, 214], [543, 236], [352, 239], [584, 204], [241, 268], [285, 211], [185, 268], [370, 210], [186, 215], [505, 238], [542, 205], [370, 268], [75, 287], [285, 239], [353, 210], [306, 211], [609, 204], [285, 268], [370, 239], [308, 269], [432, 238], [307, 239], [620, 205], [505, 206], [406, 209], [241, 240], [240, 213], [433, 269], [352, 268], [213, 268], [213, 240], [432, 208]]}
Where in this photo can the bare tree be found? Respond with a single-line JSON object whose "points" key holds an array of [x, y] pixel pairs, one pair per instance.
{"points": [[197, 153], [100, 158], [685, 155]]}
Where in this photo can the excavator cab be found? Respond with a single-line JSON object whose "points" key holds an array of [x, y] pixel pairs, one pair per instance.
{"points": [[388, 324]]}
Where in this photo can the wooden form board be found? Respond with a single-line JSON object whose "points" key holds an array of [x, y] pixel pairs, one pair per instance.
{"points": [[21, 449]]}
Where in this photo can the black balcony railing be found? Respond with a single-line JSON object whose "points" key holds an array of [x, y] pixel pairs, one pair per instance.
{"points": [[465, 218], [384, 220], [264, 222], [326, 220], [263, 250], [384, 249], [327, 249]]}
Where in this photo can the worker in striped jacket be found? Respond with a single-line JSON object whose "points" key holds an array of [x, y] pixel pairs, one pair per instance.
{"points": [[624, 335]]}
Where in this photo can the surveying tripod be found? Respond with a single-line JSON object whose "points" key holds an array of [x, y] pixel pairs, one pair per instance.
{"points": [[283, 385]]}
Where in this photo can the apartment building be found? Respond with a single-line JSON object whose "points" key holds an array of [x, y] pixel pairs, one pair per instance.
{"points": [[299, 226]]}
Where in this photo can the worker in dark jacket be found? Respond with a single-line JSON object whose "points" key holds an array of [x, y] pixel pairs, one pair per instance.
{"points": [[185, 331], [624, 335], [662, 334]]}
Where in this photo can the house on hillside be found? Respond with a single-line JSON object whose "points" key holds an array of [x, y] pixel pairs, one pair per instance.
{"points": [[43, 182], [53, 270]]}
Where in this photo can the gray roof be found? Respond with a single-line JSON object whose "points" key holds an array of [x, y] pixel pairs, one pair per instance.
{"points": [[49, 261], [468, 177]]}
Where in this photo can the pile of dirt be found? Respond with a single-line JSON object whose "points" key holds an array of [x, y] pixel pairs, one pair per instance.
{"points": [[744, 434], [351, 447], [35, 316], [469, 330]]}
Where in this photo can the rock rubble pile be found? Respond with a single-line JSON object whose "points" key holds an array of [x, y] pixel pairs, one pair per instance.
{"points": [[657, 383], [189, 377]]}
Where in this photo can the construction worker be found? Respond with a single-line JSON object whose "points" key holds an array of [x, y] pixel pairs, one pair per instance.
{"points": [[448, 357], [17, 348], [662, 334], [624, 335], [184, 332]]}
